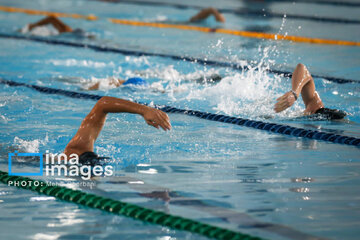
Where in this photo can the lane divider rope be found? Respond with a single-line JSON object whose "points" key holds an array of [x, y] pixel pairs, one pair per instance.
{"points": [[322, 2], [236, 66], [47, 13], [247, 34], [240, 11], [124, 209], [265, 126]]}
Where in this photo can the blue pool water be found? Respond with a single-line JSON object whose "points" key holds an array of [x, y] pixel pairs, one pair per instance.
{"points": [[225, 175]]}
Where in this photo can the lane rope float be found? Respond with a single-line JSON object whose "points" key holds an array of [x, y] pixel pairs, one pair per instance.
{"points": [[247, 34], [265, 126], [124, 209], [240, 11], [102, 48]]}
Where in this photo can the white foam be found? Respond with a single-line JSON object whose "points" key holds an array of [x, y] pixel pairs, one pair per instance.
{"points": [[31, 146], [240, 94], [3, 119], [137, 60], [42, 31], [170, 80], [249, 93], [80, 63], [27, 146], [104, 83]]}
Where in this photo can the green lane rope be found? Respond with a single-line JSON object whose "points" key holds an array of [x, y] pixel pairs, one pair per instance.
{"points": [[124, 209]]}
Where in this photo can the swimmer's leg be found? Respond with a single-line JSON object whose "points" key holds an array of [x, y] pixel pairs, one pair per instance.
{"points": [[57, 23], [205, 13]]}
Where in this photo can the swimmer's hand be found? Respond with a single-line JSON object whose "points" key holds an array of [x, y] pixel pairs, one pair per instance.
{"points": [[156, 118], [218, 16], [284, 102]]}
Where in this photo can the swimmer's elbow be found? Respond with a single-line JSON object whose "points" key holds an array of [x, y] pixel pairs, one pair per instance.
{"points": [[103, 100], [300, 66], [100, 106]]}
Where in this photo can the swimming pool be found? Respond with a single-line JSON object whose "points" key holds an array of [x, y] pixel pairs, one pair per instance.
{"points": [[264, 184]]}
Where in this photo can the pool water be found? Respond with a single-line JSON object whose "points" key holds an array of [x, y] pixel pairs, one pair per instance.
{"points": [[225, 175]]}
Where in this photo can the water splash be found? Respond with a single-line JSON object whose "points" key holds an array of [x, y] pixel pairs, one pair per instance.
{"points": [[31, 146], [80, 63], [249, 93], [41, 31]]}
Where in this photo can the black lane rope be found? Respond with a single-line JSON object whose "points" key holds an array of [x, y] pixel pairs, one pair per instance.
{"points": [[200, 61], [270, 127], [242, 11]]}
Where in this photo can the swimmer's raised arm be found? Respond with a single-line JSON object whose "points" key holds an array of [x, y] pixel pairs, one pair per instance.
{"points": [[303, 83], [91, 126], [205, 13], [57, 23]]}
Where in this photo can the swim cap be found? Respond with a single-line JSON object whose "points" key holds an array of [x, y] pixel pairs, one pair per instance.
{"points": [[136, 81], [330, 114]]}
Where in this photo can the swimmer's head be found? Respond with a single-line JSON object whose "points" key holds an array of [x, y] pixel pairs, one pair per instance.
{"points": [[136, 81], [330, 114], [80, 33], [215, 77]]}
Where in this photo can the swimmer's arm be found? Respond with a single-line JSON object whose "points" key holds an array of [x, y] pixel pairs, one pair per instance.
{"points": [[94, 87], [152, 116], [205, 13], [57, 23], [303, 83], [119, 82], [91, 126]]}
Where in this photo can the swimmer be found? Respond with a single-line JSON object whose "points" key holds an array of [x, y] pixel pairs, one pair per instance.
{"points": [[205, 13], [200, 16], [303, 83], [59, 27], [117, 82], [82, 143], [137, 81]]}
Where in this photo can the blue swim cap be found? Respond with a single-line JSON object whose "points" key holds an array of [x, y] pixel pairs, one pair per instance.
{"points": [[136, 81]]}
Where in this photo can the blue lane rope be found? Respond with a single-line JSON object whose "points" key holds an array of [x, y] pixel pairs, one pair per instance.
{"points": [[241, 11], [204, 62], [270, 127]]}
